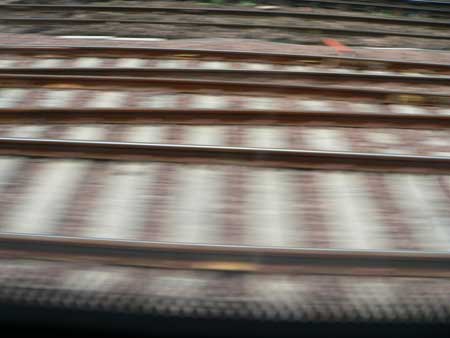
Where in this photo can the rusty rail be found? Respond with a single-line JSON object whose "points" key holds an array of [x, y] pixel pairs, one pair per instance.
{"points": [[366, 5], [226, 257], [240, 73], [422, 7], [401, 96], [188, 53], [227, 11], [303, 28], [362, 4], [265, 157], [222, 116]]}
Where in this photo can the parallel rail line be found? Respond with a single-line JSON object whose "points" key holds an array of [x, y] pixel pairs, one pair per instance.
{"points": [[265, 157], [187, 53], [431, 9], [361, 4], [225, 257], [222, 116], [31, 80], [302, 28], [244, 73], [228, 11], [366, 5], [419, 3]]}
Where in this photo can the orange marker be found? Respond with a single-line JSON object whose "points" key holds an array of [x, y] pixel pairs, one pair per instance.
{"points": [[339, 47]]}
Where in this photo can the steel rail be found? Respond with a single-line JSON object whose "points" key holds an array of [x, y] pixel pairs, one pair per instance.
{"points": [[239, 73], [254, 259], [302, 28], [265, 157], [228, 11], [419, 4], [31, 80], [360, 4], [187, 53], [222, 116]]}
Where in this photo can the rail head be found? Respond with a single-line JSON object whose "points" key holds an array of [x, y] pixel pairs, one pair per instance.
{"points": [[255, 259], [196, 154], [232, 73], [189, 116]]}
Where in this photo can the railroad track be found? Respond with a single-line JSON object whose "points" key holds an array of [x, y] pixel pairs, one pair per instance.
{"points": [[175, 178], [34, 204], [51, 104], [169, 107], [265, 60], [420, 3], [314, 138], [365, 5], [304, 29], [225, 11], [386, 5], [227, 20], [192, 85], [428, 9]]}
